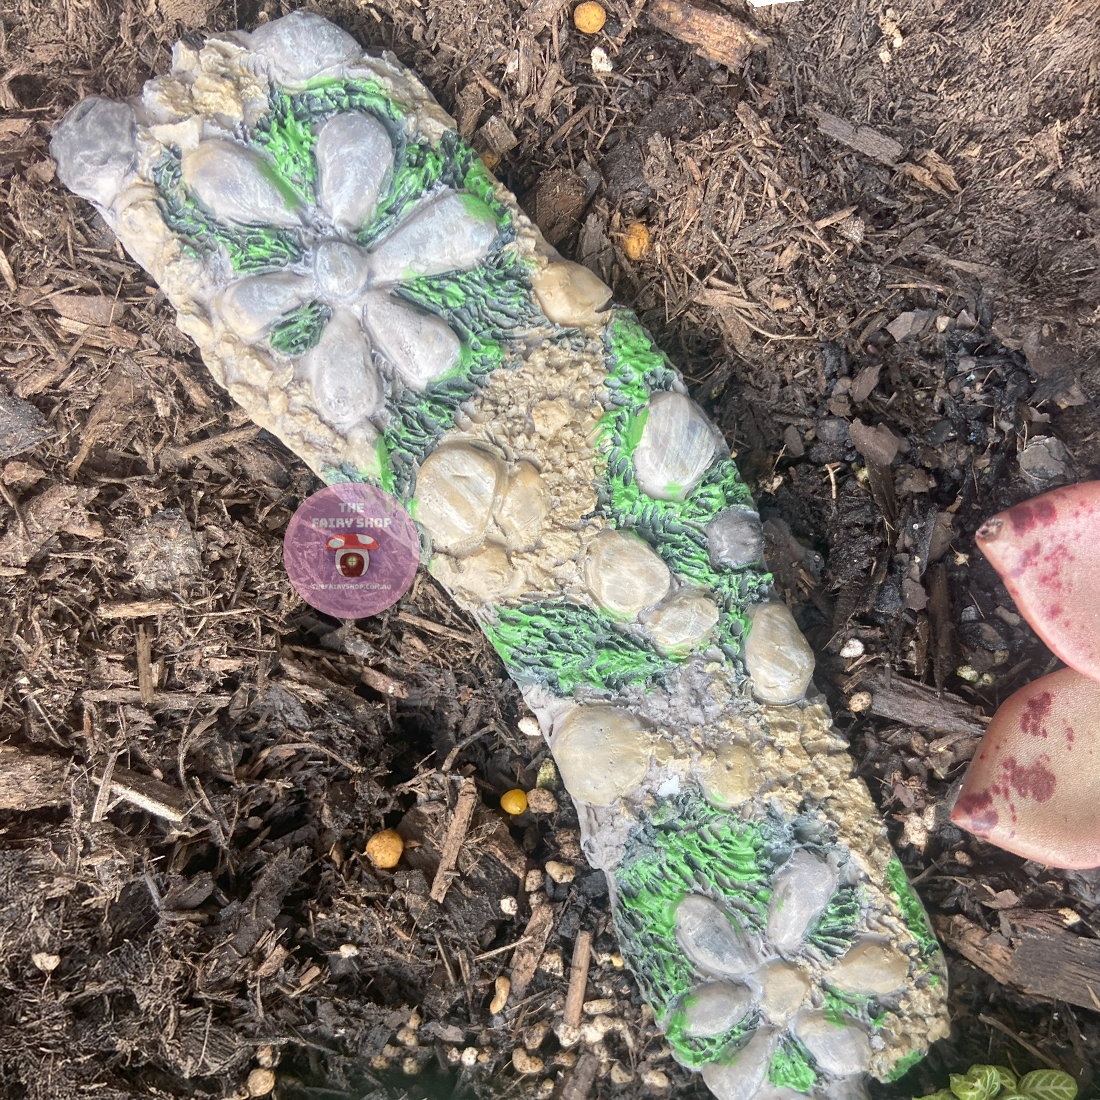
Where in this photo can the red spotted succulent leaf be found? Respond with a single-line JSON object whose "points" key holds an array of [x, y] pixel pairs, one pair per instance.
{"points": [[1032, 788], [1047, 551]]}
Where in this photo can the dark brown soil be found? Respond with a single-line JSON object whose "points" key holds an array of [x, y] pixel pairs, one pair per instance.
{"points": [[188, 955]]}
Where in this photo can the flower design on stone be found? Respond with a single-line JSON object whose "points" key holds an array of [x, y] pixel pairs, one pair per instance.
{"points": [[335, 311]]}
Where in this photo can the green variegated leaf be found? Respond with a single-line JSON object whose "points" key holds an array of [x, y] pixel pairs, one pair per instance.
{"points": [[1048, 1084], [1009, 1079], [988, 1077], [943, 1094], [966, 1088]]}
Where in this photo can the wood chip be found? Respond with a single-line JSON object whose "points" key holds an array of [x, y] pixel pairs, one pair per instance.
{"points": [[863, 139], [383, 684], [137, 609], [578, 979], [1059, 966], [87, 309], [526, 959], [163, 700], [456, 835], [29, 781], [915, 704], [146, 681], [716, 35], [147, 793]]}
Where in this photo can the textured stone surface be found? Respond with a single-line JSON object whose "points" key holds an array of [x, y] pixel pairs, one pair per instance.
{"points": [[801, 890], [602, 753], [836, 1049], [682, 622], [735, 538], [784, 987], [715, 1007], [778, 658], [571, 295], [624, 575], [872, 967], [741, 1076], [455, 495], [677, 446], [729, 775], [712, 941]]}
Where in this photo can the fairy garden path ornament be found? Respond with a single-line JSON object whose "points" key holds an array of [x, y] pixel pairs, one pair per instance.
{"points": [[363, 287]]}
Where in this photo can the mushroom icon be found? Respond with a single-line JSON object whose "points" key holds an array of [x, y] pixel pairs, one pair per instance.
{"points": [[352, 558]]}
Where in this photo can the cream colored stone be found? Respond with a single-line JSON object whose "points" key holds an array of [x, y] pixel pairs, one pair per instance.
{"points": [[486, 576], [677, 446], [784, 988], [549, 417], [624, 575], [456, 490], [602, 753], [680, 623], [839, 1050], [872, 967], [523, 507], [800, 891], [714, 1007], [779, 659], [729, 776], [571, 295]]}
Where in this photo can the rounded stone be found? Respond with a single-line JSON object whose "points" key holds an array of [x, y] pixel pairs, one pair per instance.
{"points": [[624, 575], [872, 967], [485, 575], [680, 623], [339, 270], [95, 148], [783, 989], [452, 232], [235, 184], [602, 753], [456, 491], [779, 659], [708, 937], [741, 1076], [713, 1008], [301, 45], [800, 891], [729, 776], [354, 160], [735, 538], [524, 505], [420, 346], [252, 305], [570, 295], [346, 387], [676, 448], [836, 1048]]}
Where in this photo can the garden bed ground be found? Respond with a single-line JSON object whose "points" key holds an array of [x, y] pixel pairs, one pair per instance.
{"points": [[927, 263]]}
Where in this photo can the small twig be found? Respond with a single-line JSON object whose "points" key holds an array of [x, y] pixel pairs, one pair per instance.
{"points": [[501, 950], [578, 979], [446, 962], [456, 834], [1033, 1051], [103, 795]]}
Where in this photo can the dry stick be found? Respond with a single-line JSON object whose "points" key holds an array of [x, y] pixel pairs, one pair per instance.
{"points": [[578, 978], [146, 685], [456, 834]]}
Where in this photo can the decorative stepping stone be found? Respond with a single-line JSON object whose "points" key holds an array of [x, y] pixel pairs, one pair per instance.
{"points": [[361, 285]]}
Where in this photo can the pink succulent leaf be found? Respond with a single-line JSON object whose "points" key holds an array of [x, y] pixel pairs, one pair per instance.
{"points": [[1032, 788], [1047, 551]]}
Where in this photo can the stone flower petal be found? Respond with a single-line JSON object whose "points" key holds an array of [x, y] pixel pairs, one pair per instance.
{"points": [[354, 160], [251, 306], [346, 387], [452, 232], [677, 447], [300, 46], [420, 346], [238, 185]]}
